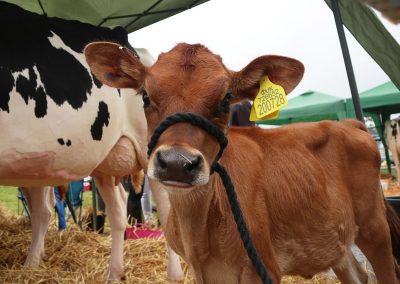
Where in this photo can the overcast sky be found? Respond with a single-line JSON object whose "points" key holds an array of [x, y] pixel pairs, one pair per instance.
{"points": [[241, 30]]}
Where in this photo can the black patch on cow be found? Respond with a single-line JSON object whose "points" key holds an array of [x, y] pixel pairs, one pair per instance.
{"points": [[62, 142], [41, 103], [103, 117], [6, 85], [96, 81], [25, 44], [26, 87], [29, 91], [77, 82], [119, 92]]}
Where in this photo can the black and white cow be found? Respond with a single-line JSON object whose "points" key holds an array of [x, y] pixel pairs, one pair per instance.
{"points": [[59, 123]]}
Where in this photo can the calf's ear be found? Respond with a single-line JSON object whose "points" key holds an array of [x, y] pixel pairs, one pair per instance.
{"points": [[114, 65], [283, 71]]}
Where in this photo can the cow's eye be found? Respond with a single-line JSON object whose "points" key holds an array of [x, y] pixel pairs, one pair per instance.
{"points": [[226, 102], [146, 99]]}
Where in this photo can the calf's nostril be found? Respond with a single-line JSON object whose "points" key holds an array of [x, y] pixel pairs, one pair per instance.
{"points": [[161, 161], [193, 163]]}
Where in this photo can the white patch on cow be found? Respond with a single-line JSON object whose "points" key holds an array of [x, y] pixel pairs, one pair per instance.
{"points": [[39, 82], [24, 73], [58, 43]]}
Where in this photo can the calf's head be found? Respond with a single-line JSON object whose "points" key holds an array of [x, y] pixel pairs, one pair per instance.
{"points": [[189, 78]]}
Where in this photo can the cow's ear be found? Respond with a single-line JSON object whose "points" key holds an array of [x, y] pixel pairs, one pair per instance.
{"points": [[283, 71], [114, 65]]}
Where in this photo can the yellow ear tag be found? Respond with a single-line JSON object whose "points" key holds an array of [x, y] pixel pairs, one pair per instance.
{"points": [[269, 100]]}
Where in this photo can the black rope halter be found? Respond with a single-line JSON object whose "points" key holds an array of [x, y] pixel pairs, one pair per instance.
{"points": [[212, 129]]}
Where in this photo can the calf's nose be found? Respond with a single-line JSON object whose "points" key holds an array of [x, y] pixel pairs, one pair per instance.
{"points": [[177, 165]]}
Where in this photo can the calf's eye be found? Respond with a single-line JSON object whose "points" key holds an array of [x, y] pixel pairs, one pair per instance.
{"points": [[146, 99], [226, 102]]}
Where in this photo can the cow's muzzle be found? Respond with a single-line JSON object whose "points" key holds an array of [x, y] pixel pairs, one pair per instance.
{"points": [[179, 167], [195, 120]]}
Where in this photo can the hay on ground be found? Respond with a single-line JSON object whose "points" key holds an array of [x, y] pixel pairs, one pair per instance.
{"points": [[76, 256]]}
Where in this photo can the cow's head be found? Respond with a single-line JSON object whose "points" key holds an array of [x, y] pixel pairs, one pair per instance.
{"points": [[189, 78]]}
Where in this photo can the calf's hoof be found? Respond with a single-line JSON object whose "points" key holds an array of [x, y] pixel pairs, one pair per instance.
{"points": [[32, 262], [116, 276], [174, 273]]}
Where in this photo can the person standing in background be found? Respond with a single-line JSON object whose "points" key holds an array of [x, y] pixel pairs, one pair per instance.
{"points": [[240, 114], [60, 209]]}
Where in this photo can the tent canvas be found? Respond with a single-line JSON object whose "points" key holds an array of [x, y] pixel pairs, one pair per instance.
{"points": [[379, 103], [130, 14], [310, 106], [382, 99]]}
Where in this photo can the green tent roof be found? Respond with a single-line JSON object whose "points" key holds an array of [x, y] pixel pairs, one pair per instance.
{"points": [[130, 14], [310, 106], [382, 95], [383, 99]]}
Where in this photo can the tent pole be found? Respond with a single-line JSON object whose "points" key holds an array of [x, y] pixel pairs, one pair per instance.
{"points": [[347, 61]]}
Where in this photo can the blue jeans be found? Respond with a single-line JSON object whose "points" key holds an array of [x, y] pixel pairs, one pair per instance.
{"points": [[62, 225]]}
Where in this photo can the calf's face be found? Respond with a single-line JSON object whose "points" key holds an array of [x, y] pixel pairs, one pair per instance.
{"points": [[189, 78]]}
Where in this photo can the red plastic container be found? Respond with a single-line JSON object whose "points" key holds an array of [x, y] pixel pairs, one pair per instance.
{"points": [[141, 231]]}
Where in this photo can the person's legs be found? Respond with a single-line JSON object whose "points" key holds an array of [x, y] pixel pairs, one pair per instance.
{"points": [[62, 224]]}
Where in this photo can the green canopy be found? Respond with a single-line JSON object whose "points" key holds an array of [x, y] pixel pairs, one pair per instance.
{"points": [[130, 14], [383, 99], [379, 103], [310, 106]]}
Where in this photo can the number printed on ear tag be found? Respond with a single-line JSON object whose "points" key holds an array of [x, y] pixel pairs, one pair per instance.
{"points": [[270, 99], [253, 116]]}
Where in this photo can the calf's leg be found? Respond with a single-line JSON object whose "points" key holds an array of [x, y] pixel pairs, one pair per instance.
{"points": [[349, 270], [174, 269], [374, 241]]}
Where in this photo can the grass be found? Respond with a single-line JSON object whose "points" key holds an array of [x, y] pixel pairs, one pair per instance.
{"points": [[9, 198], [386, 170]]}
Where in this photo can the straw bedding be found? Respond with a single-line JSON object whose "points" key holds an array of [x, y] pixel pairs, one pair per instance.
{"points": [[82, 257]]}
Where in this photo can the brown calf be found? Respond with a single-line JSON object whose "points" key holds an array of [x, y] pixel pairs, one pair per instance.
{"points": [[307, 191]]}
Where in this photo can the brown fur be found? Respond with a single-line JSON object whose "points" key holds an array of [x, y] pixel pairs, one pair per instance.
{"points": [[307, 191], [354, 123], [394, 224]]}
